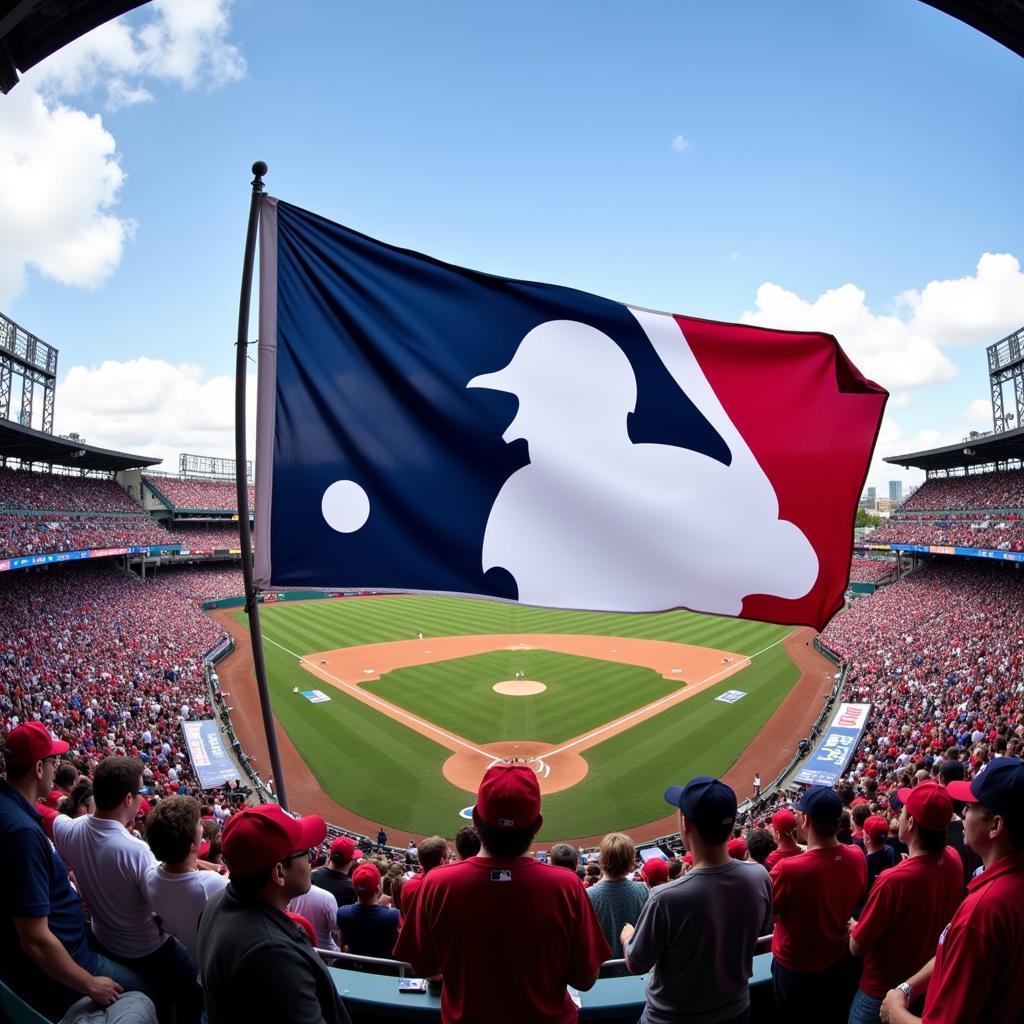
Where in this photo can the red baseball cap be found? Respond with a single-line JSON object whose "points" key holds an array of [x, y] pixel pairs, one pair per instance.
{"points": [[366, 879], [509, 796], [655, 871], [876, 826], [928, 804], [31, 742], [343, 848], [784, 820], [737, 848], [257, 838]]}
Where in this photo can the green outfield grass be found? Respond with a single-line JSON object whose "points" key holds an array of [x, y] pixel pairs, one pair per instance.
{"points": [[384, 771]]}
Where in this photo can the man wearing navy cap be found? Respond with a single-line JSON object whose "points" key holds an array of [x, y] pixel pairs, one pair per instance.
{"points": [[505, 932], [813, 974], [976, 973], [697, 935]]}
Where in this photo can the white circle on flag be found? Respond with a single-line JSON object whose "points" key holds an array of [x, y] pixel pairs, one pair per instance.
{"points": [[345, 506]]}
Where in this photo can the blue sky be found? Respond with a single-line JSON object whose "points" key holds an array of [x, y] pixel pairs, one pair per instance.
{"points": [[838, 166]]}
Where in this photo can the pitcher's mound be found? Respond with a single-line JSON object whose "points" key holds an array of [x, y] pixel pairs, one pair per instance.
{"points": [[555, 772], [519, 687]]}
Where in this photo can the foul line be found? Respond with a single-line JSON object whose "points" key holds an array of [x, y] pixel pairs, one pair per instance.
{"points": [[371, 698], [647, 708]]}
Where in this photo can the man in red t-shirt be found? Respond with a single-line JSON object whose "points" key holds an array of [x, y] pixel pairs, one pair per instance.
{"points": [[910, 903], [785, 831], [976, 973], [506, 933], [432, 852], [813, 974]]}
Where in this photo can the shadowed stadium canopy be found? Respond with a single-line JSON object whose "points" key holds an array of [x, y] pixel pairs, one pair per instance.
{"points": [[972, 451], [18, 442], [30, 30]]}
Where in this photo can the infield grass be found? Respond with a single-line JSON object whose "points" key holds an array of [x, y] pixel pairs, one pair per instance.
{"points": [[379, 768]]}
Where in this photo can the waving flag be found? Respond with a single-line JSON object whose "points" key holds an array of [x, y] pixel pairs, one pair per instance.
{"points": [[423, 427]]}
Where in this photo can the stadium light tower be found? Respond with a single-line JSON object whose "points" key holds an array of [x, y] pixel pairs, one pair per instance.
{"points": [[26, 356], [1005, 365]]}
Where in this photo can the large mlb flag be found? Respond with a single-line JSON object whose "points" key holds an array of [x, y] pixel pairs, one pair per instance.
{"points": [[423, 427]]}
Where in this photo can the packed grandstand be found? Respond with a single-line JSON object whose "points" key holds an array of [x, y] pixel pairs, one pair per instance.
{"points": [[105, 580]]}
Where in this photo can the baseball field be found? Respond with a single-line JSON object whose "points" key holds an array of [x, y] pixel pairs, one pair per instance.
{"points": [[396, 705]]}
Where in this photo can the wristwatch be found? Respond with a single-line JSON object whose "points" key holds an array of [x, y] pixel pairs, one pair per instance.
{"points": [[905, 988]]}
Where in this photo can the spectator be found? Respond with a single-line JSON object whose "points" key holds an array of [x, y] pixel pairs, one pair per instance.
{"points": [[760, 844], [655, 872], [616, 899], [80, 801], [45, 954], [976, 972], [697, 937], [786, 831], [430, 853], [178, 891], [879, 854], [336, 875], [467, 842], [255, 963], [813, 973], [319, 907], [737, 848], [548, 932], [367, 927], [909, 905], [111, 869], [563, 855]]}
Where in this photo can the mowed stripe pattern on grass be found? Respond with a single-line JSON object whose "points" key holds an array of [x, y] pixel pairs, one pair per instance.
{"points": [[581, 694], [383, 770]]}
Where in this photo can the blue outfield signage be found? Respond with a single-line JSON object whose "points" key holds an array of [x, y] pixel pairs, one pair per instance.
{"points": [[836, 747], [53, 557], [206, 750]]}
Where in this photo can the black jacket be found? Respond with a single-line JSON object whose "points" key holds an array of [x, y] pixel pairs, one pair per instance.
{"points": [[256, 964]]}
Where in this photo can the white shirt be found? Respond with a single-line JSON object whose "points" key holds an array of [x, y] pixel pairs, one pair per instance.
{"points": [[179, 899], [110, 866], [320, 909]]}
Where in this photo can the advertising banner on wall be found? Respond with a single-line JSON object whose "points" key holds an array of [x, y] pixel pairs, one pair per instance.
{"points": [[205, 746], [836, 747]]}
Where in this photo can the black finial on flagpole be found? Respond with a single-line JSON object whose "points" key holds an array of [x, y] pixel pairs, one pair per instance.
{"points": [[258, 169]]}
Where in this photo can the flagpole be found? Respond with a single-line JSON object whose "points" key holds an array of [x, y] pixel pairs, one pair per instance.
{"points": [[252, 607]]}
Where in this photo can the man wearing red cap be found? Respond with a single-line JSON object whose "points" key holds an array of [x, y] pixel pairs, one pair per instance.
{"points": [[336, 875], [367, 928], [255, 963], [785, 830], [976, 973], [45, 954], [506, 932], [910, 903]]}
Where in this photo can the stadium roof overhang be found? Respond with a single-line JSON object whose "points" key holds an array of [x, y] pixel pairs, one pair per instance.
{"points": [[28, 445], [30, 30], [972, 451]]}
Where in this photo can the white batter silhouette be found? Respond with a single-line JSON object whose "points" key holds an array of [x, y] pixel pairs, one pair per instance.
{"points": [[598, 522]]}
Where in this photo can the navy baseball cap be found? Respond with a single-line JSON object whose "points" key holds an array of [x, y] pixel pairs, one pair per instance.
{"points": [[705, 801], [999, 786], [822, 804]]}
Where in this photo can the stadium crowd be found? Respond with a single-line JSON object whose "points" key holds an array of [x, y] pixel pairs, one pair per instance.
{"points": [[187, 493], [988, 532], [871, 570], [52, 492], [30, 535], [206, 536], [1002, 490]]}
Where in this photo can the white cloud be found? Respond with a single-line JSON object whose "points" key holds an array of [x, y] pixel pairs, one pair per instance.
{"points": [[884, 348], [983, 307], [905, 350], [60, 175], [979, 411], [680, 143], [151, 407], [59, 179], [184, 42]]}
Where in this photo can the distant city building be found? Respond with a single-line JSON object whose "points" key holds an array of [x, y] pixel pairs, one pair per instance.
{"points": [[895, 490]]}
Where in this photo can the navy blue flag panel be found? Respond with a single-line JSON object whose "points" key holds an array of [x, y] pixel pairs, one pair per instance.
{"points": [[423, 427]]}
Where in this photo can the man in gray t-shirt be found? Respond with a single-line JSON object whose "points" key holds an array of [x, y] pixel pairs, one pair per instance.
{"points": [[698, 933]]}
